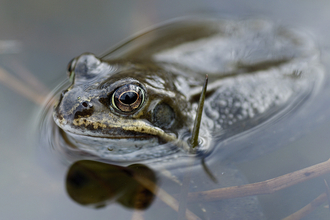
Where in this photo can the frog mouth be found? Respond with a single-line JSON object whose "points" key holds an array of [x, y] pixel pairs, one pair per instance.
{"points": [[139, 134], [119, 149]]}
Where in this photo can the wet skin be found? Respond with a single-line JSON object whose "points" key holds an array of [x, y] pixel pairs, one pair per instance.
{"points": [[144, 93], [122, 100]]}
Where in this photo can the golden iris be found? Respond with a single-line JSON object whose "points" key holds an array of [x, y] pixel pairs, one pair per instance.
{"points": [[128, 98]]}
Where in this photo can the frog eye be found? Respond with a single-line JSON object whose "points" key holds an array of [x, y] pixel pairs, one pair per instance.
{"points": [[128, 98], [70, 68]]}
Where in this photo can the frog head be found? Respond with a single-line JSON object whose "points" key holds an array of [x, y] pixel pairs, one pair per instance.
{"points": [[122, 100]]}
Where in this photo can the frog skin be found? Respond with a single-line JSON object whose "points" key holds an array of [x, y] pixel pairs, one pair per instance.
{"points": [[88, 108], [139, 100]]}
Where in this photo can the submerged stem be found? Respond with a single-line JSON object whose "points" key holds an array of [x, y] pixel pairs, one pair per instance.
{"points": [[198, 119]]}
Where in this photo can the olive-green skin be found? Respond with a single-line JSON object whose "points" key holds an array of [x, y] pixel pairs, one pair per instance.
{"points": [[86, 107], [256, 70]]}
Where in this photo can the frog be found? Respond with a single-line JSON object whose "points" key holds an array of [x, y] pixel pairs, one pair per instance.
{"points": [[139, 100]]}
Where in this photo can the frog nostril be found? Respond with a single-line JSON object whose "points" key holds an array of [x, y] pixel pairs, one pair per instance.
{"points": [[85, 104]]}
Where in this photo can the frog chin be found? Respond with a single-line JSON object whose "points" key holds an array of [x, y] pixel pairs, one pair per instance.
{"points": [[120, 149]]}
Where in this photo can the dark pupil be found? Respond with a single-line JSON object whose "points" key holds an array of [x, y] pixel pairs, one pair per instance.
{"points": [[128, 98]]}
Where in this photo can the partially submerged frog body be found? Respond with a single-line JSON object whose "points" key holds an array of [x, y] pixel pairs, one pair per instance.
{"points": [[139, 100]]}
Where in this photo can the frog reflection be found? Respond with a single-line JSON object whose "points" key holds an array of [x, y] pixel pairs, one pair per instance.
{"points": [[139, 99], [97, 184]]}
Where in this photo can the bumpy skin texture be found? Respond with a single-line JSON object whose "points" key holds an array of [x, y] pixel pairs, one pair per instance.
{"points": [[86, 107], [256, 70]]}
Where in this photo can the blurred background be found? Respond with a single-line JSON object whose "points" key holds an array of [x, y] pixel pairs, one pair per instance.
{"points": [[50, 33]]}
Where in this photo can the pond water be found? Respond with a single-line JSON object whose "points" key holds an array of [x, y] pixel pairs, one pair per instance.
{"points": [[40, 38]]}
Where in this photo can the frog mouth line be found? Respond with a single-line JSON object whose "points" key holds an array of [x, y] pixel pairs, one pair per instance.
{"points": [[130, 137], [116, 148], [137, 130], [138, 138]]}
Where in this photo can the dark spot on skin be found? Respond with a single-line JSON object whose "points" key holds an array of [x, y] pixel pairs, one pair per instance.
{"points": [[104, 101], [142, 129], [137, 147], [90, 127], [84, 113], [59, 116]]}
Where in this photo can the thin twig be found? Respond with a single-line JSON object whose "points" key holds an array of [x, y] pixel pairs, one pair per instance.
{"points": [[264, 187], [137, 215], [308, 208], [28, 77], [164, 196], [327, 190], [198, 118], [20, 87]]}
